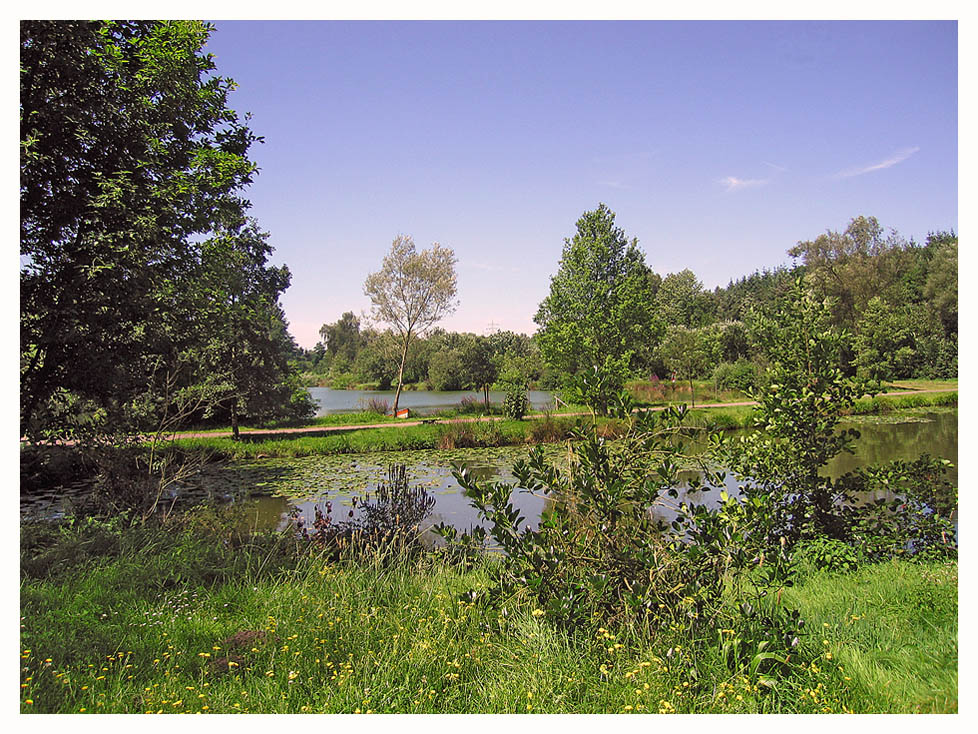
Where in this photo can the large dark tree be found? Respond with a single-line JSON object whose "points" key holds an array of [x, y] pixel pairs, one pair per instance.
{"points": [[130, 156], [243, 345]]}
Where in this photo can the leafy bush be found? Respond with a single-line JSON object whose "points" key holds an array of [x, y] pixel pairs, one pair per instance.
{"points": [[603, 553], [917, 522], [740, 375], [516, 403], [827, 554]]}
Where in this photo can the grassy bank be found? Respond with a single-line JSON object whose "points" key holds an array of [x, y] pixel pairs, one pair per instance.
{"points": [[446, 435], [496, 433], [149, 621]]}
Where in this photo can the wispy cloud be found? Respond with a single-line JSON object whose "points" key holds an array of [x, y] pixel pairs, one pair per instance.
{"points": [[776, 167], [736, 184], [898, 157]]}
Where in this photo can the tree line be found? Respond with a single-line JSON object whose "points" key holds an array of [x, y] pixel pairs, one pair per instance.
{"points": [[609, 317]]}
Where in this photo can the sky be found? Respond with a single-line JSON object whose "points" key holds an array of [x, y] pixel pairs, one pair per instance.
{"points": [[718, 145]]}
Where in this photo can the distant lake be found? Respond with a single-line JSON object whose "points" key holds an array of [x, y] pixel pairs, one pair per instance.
{"points": [[421, 401]]}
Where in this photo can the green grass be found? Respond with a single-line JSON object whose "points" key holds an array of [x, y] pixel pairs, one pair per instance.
{"points": [[145, 623], [891, 632], [921, 384], [886, 404]]}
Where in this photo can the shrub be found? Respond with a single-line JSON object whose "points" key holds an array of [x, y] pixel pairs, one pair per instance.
{"points": [[469, 405], [389, 519], [516, 403], [740, 375], [826, 554], [601, 554], [375, 405]]}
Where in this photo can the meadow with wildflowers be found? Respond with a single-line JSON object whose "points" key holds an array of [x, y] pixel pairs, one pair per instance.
{"points": [[161, 622]]}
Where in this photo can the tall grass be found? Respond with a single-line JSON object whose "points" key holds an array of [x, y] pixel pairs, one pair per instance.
{"points": [[166, 623]]}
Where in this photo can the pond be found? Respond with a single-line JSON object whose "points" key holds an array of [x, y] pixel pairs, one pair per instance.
{"points": [[307, 482], [332, 401], [271, 488]]}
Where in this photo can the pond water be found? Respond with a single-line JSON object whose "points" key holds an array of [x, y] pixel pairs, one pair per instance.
{"points": [[332, 401], [271, 488], [311, 481]]}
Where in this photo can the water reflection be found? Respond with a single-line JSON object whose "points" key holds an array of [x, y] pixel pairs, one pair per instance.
{"points": [[272, 488], [933, 433]]}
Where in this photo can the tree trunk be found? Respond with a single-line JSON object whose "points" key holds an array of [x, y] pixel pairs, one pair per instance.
{"points": [[234, 421], [692, 393], [400, 371], [486, 389]]}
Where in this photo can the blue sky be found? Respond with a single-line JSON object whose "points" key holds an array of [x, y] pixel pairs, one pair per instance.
{"points": [[718, 144]]}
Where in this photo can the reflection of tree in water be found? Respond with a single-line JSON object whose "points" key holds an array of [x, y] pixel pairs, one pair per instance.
{"points": [[880, 443]]}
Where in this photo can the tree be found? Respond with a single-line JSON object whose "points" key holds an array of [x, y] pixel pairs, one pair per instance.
{"points": [[850, 266], [599, 313], [482, 363], [247, 347], [885, 345], [798, 415], [684, 352], [342, 338], [412, 291], [129, 157], [681, 300], [941, 288]]}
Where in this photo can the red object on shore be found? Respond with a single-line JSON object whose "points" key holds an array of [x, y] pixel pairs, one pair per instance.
{"points": [[403, 413]]}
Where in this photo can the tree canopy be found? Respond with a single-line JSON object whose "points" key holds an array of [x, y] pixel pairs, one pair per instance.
{"points": [[599, 313], [131, 159], [412, 291]]}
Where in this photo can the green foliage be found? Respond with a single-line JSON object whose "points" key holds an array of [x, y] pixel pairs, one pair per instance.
{"points": [[517, 402], [797, 416], [885, 344], [446, 370], [599, 312], [129, 158], [342, 338], [601, 389], [740, 375], [681, 301], [606, 552], [826, 554], [919, 521]]}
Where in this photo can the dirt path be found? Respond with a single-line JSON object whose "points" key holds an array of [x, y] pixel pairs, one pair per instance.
{"points": [[402, 424]]}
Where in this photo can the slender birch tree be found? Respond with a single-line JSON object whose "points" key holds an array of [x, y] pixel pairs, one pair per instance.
{"points": [[412, 292]]}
